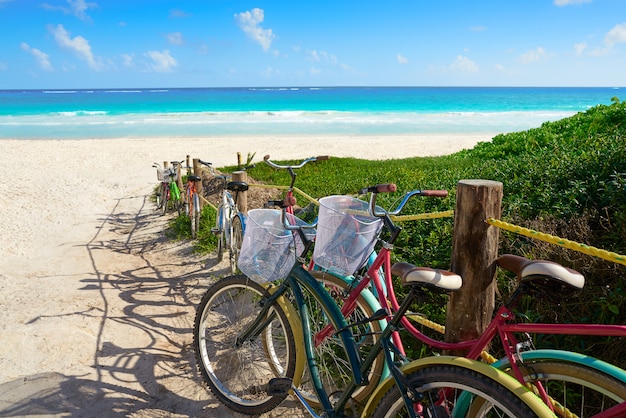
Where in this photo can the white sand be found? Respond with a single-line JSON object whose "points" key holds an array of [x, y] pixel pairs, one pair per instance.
{"points": [[97, 307]]}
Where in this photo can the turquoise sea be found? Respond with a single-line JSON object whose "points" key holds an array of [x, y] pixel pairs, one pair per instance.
{"points": [[164, 112]]}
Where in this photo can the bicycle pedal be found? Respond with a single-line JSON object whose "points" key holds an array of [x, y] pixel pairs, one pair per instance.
{"points": [[278, 386], [215, 231]]}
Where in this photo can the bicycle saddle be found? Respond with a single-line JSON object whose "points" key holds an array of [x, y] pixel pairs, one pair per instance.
{"points": [[414, 275], [237, 186], [534, 270]]}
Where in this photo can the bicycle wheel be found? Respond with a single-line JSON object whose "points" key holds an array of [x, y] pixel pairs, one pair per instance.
{"points": [[331, 358], [238, 375], [236, 237], [166, 198], [574, 388], [194, 214], [448, 390], [159, 195]]}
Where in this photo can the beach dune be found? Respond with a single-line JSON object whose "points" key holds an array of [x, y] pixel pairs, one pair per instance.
{"points": [[97, 304]]}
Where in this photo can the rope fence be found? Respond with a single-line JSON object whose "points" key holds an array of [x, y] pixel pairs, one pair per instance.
{"points": [[572, 245]]}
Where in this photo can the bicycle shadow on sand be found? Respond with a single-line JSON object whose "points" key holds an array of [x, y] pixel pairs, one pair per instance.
{"points": [[143, 360]]}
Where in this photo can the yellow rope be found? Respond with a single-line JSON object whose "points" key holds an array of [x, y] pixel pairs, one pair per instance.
{"points": [[206, 202], [583, 248], [432, 215], [420, 319]]}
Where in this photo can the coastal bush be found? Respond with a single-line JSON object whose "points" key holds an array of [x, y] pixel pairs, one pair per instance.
{"points": [[565, 178]]}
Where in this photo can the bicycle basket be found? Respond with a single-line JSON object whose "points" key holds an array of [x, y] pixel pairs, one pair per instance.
{"points": [[167, 175], [346, 234], [212, 185], [268, 251]]}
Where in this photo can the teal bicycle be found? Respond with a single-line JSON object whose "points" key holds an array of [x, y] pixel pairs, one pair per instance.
{"points": [[253, 335]]}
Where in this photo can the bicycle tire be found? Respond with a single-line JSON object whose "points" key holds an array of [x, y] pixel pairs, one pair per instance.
{"points": [[159, 196], [333, 365], [492, 398], [583, 390], [236, 238], [194, 214], [219, 230], [166, 198], [238, 376]]}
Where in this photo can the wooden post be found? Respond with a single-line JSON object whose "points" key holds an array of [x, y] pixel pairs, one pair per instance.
{"points": [[474, 251], [242, 198], [179, 180], [197, 171]]}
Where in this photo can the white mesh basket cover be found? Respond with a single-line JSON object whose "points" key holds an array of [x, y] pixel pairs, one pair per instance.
{"points": [[346, 234], [268, 251]]}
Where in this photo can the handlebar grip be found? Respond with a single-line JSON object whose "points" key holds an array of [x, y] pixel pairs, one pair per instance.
{"points": [[322, 157], [267, 157], [434, 193], [379, 188]]}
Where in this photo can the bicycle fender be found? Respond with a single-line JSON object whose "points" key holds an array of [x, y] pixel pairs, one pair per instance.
{"points": [[530, 399], [568, 357]]}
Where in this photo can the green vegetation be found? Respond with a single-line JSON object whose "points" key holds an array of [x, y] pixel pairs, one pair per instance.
{"points": [[565, 178]]}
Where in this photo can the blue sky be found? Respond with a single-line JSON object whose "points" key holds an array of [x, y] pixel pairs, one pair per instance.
{"points": [[202, 43]]}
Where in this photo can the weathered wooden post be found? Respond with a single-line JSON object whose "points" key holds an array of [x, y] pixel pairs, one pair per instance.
{"points": [[474, 250], [197, 171], [242, 198], [179, 180]]}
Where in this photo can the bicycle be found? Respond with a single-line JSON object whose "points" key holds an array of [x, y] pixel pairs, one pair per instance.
{"points": [[292, 174], [246, 338], [230, 223], [168, 189], [521, 360], [192, 201]]}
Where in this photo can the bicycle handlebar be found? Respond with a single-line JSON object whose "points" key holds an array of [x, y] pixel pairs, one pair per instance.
{"points": [[390, 188], [302, 164], [379, 188]]}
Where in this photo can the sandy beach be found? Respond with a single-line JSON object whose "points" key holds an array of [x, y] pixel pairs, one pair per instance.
{"points": [[97, 305]]}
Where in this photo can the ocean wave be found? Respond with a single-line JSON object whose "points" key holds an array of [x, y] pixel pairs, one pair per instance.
{"points": [[99, 124]]}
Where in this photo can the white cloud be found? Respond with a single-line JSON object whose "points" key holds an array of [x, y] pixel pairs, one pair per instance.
{"points": [[321, 56], [250, 23], [162, 61], [43, 59], [178, 14], [128, 60], [532, 55], [617, 35], [402, 59], [79, 45], [76, 8], [579, 48], [464, 64], [175, 38], [568, 2]]}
